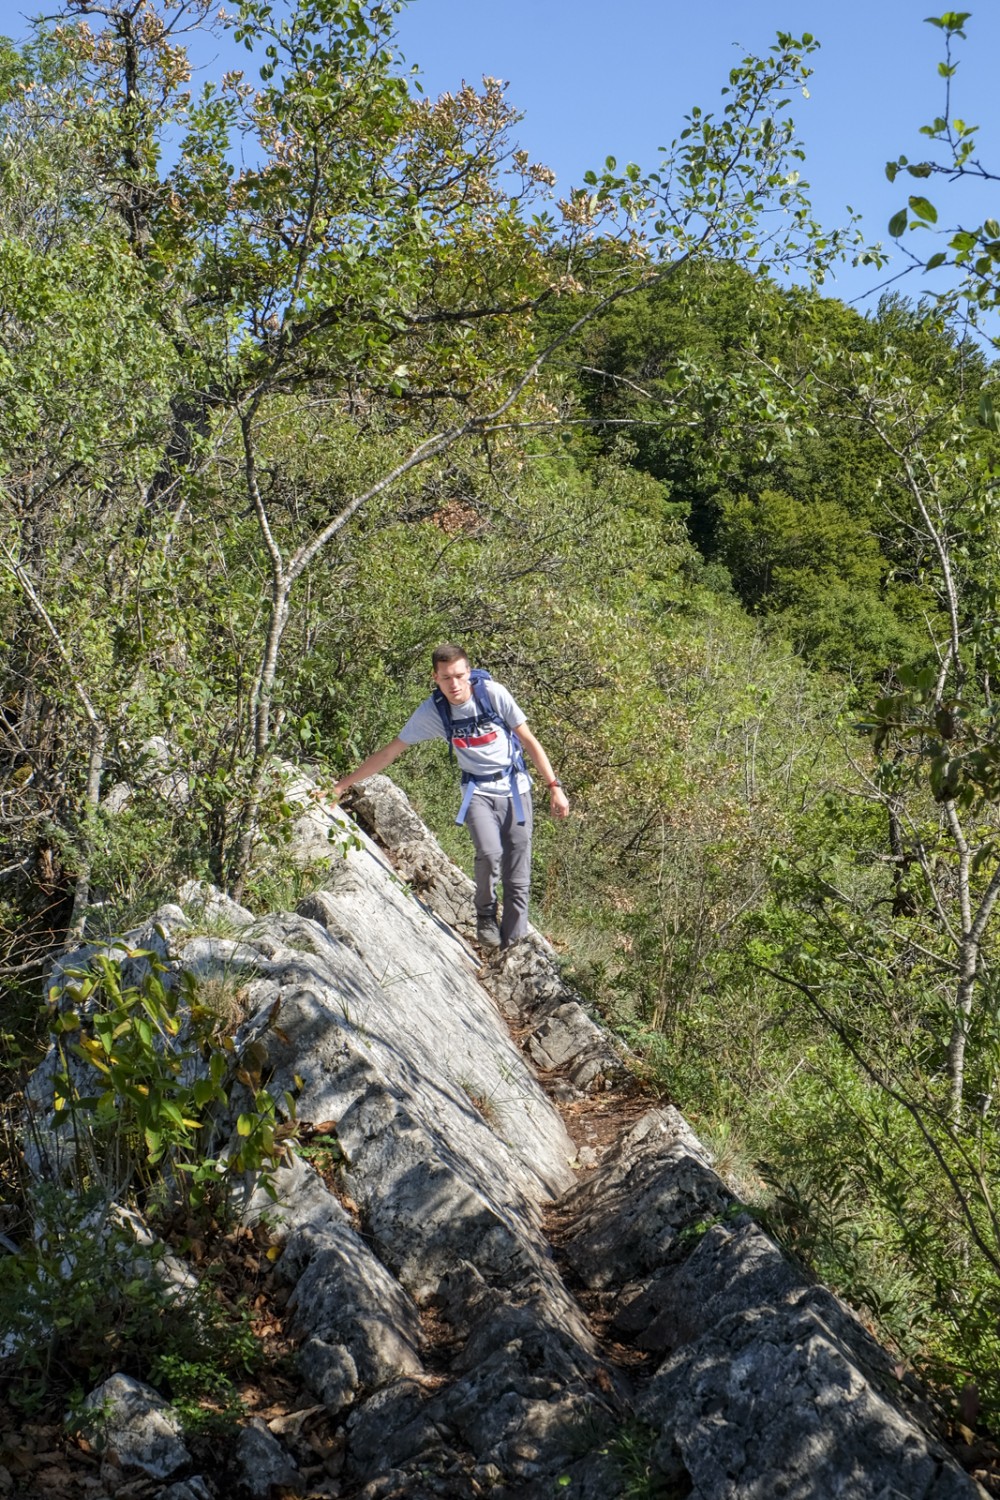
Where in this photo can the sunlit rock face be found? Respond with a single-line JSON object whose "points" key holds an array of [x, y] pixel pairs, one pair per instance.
{"points": [[443, 1271]]}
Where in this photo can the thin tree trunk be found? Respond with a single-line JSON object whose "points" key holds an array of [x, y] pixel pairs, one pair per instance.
{"points": [[98, 740], [91, 801], [968, 957], [261, 744], [263, 688]]}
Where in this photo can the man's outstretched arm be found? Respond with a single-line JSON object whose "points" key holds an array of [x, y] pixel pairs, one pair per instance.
{"points": [[558, 800], [376, 762]]}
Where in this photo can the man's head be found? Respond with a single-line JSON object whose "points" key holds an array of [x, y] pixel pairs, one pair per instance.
{"points": [[451, 673]]}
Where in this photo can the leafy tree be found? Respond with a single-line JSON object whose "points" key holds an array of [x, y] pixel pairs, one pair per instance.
{"points": [[85, 374], [326, 243], [880, 1088], [780, 477], [889, 931]]}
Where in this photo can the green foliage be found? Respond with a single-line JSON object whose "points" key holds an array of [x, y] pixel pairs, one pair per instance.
{"points": [[880, 1184], [749, 405], [860, 1197], [285, 376], [143, 1083], [631, 1448], [202, 1391], [87, 1300], [971, 252], [327, 257], [863, 1003], [151, 1105], [634, 1470]]}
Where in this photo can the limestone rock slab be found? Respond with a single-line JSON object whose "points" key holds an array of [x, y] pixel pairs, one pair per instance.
{"points": [[638, 1206], [771, 1401], [262, 1463], [137, 1426]]}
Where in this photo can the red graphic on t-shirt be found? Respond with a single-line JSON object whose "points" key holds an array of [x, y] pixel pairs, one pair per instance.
{"points": [[469, 742]]}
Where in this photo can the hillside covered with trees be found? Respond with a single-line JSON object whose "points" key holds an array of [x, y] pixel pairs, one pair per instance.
{"points": [[303, 373]]}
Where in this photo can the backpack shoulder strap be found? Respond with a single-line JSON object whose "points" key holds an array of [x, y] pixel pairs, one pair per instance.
{"points": [[479, 677], [488, 710], [444, 711]]}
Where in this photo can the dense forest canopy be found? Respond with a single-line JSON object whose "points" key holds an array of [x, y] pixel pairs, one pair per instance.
{"points": [[300, 375]]}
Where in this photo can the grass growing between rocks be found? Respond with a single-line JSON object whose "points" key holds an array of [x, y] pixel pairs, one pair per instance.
{"points": [[625, 1452]]}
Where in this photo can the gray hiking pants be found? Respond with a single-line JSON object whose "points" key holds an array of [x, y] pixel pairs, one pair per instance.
{"points": [[503, 852]]}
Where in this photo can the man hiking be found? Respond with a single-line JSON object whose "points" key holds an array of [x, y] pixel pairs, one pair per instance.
{"points": [[487, 731]]}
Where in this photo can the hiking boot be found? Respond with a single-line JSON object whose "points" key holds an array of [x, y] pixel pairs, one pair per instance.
{"points": [[487, 932]]}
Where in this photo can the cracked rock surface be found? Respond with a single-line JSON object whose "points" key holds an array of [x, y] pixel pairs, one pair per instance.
{"points": [[438, 1327]]}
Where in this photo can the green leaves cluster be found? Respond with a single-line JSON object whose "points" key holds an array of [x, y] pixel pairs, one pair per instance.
{"points": [[87, 1301], [972, 254], [144, 1091]]}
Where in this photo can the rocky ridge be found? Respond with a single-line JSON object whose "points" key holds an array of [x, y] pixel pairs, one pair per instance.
{"points": [[439, 1331]]}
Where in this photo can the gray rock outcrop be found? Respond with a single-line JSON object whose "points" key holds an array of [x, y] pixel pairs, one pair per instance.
{"points": [[438, 1327], [136, 1427]]}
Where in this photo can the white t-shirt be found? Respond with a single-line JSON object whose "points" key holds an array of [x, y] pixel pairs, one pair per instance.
{"points": [[486, 750]]}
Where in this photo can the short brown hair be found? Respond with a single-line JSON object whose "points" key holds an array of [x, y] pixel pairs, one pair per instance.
{"points": [[446, 653]]}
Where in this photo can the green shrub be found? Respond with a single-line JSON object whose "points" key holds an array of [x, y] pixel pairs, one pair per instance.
{"points": [[143, 1089], [86, 1300]]}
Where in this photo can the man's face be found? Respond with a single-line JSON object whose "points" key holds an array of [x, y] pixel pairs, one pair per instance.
{"points": [[452, 677]]}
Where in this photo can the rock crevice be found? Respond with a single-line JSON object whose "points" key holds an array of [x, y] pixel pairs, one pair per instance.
{"points": [[437, 1327]]}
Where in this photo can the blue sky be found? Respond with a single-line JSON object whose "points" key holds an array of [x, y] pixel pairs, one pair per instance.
{"points": [[594, 79]]}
